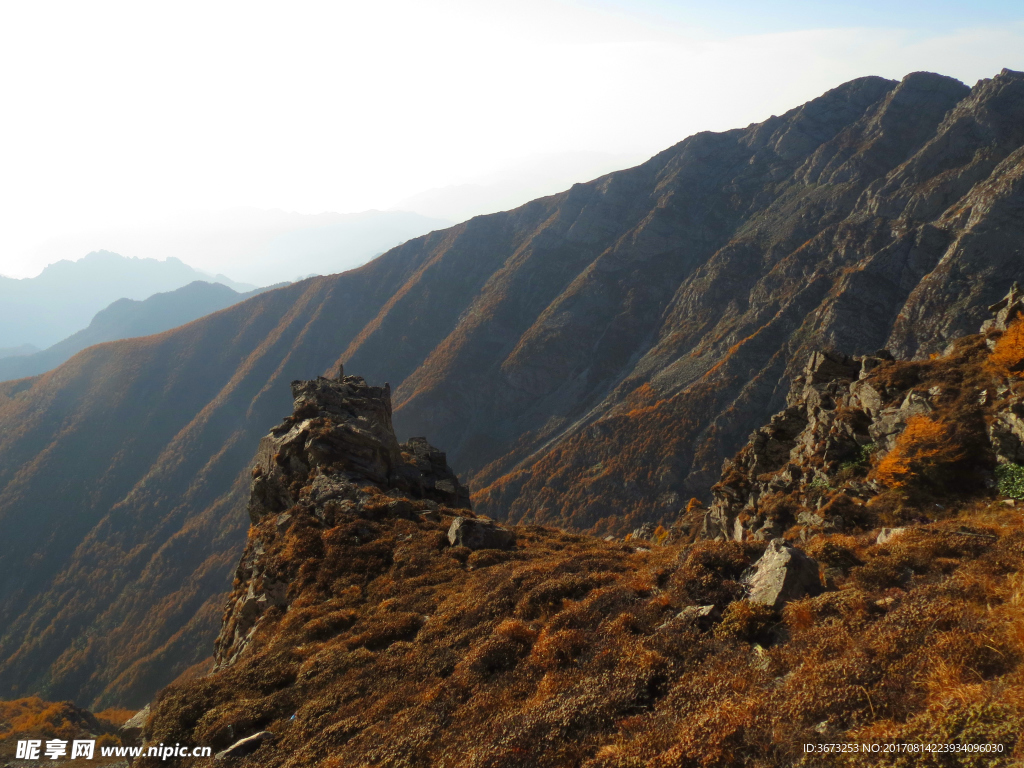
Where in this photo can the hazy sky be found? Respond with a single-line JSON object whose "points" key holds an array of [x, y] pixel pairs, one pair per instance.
{"points": [[123, 114]]}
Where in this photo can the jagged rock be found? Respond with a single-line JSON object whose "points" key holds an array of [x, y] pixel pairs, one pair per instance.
{"points": [[1006, 433], [827, 366], [644, 532], [425, 472], [246, 746], [342, 430], [782, 574], [1008, 309], [131, 732], [888, 534], [477, 534], [324, 459], [812, 520]]}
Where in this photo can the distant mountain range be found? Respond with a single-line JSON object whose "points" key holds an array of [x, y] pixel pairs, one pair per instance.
{"points": [[62, 300], [125, 319], [262, 247], [587, 360], [24, 349]]}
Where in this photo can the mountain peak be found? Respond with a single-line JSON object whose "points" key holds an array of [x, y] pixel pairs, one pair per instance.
{"points": [[335, 457]]}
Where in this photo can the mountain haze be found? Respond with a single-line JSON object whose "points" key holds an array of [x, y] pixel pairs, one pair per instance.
{"points": [[127, 318], [62, 299], [586, 360], [261, 246]]}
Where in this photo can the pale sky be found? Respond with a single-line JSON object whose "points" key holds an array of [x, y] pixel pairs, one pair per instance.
{"points": [[127, 114]]}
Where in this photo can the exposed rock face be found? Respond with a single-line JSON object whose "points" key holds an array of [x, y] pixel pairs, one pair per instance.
{"points": [[588, 359], [783, 574], [843, 411], [341, 434], [131, 732], [799, 444], [477, 534], [336, 453], [1010, 308]]}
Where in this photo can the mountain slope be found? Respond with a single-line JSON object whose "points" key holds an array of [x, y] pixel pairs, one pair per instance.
{"points": [[366, 628], [63, 298], [127, 318], [588, 359]]}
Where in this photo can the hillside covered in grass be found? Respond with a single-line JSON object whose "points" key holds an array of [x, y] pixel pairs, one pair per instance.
{"points": [[372, 625]]}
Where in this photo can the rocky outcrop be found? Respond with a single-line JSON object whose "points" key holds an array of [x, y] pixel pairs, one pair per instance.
{"points": [[131, 732], [782, 574], [1010, 308], [809, 466], [828, 420], [245, 747], [340, 435], [336, 454], [479, 534]]}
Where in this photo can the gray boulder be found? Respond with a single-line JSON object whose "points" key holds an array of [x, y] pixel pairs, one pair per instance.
{"points": [[477, 534], [131, 732], [783, 573]]}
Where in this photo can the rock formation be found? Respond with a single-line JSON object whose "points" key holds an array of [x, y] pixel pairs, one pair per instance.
{"points": [[782, 574], [336, 456], [808, 466]]}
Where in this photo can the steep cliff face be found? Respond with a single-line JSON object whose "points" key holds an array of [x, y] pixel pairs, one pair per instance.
{"points": [[894, 228], [588, 360]]}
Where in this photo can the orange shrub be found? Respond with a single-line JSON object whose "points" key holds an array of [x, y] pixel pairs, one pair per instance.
{"points": [[924, 446], [1008, 356]]}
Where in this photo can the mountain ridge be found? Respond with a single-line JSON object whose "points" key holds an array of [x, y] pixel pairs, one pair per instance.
{"points": [[662, 310], [825, 597], [127, 318], [64, 297]]}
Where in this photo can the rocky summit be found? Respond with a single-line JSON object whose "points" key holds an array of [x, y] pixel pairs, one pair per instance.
{"points": [[335, 458], [588, 361]]}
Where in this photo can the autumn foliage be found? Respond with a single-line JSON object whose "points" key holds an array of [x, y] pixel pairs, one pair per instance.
{"points": [[925, 447], [56, 720], [1008, 355]]}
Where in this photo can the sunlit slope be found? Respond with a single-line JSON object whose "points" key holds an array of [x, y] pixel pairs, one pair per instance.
{"points": [[587, 360]]}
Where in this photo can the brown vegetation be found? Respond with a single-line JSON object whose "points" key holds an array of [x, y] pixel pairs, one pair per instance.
{"points": [[35, 718], [121, 473], [399, 651]]}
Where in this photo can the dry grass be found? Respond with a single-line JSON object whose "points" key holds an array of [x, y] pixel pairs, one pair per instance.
{"points": [[561, 653], [397, 650]]}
